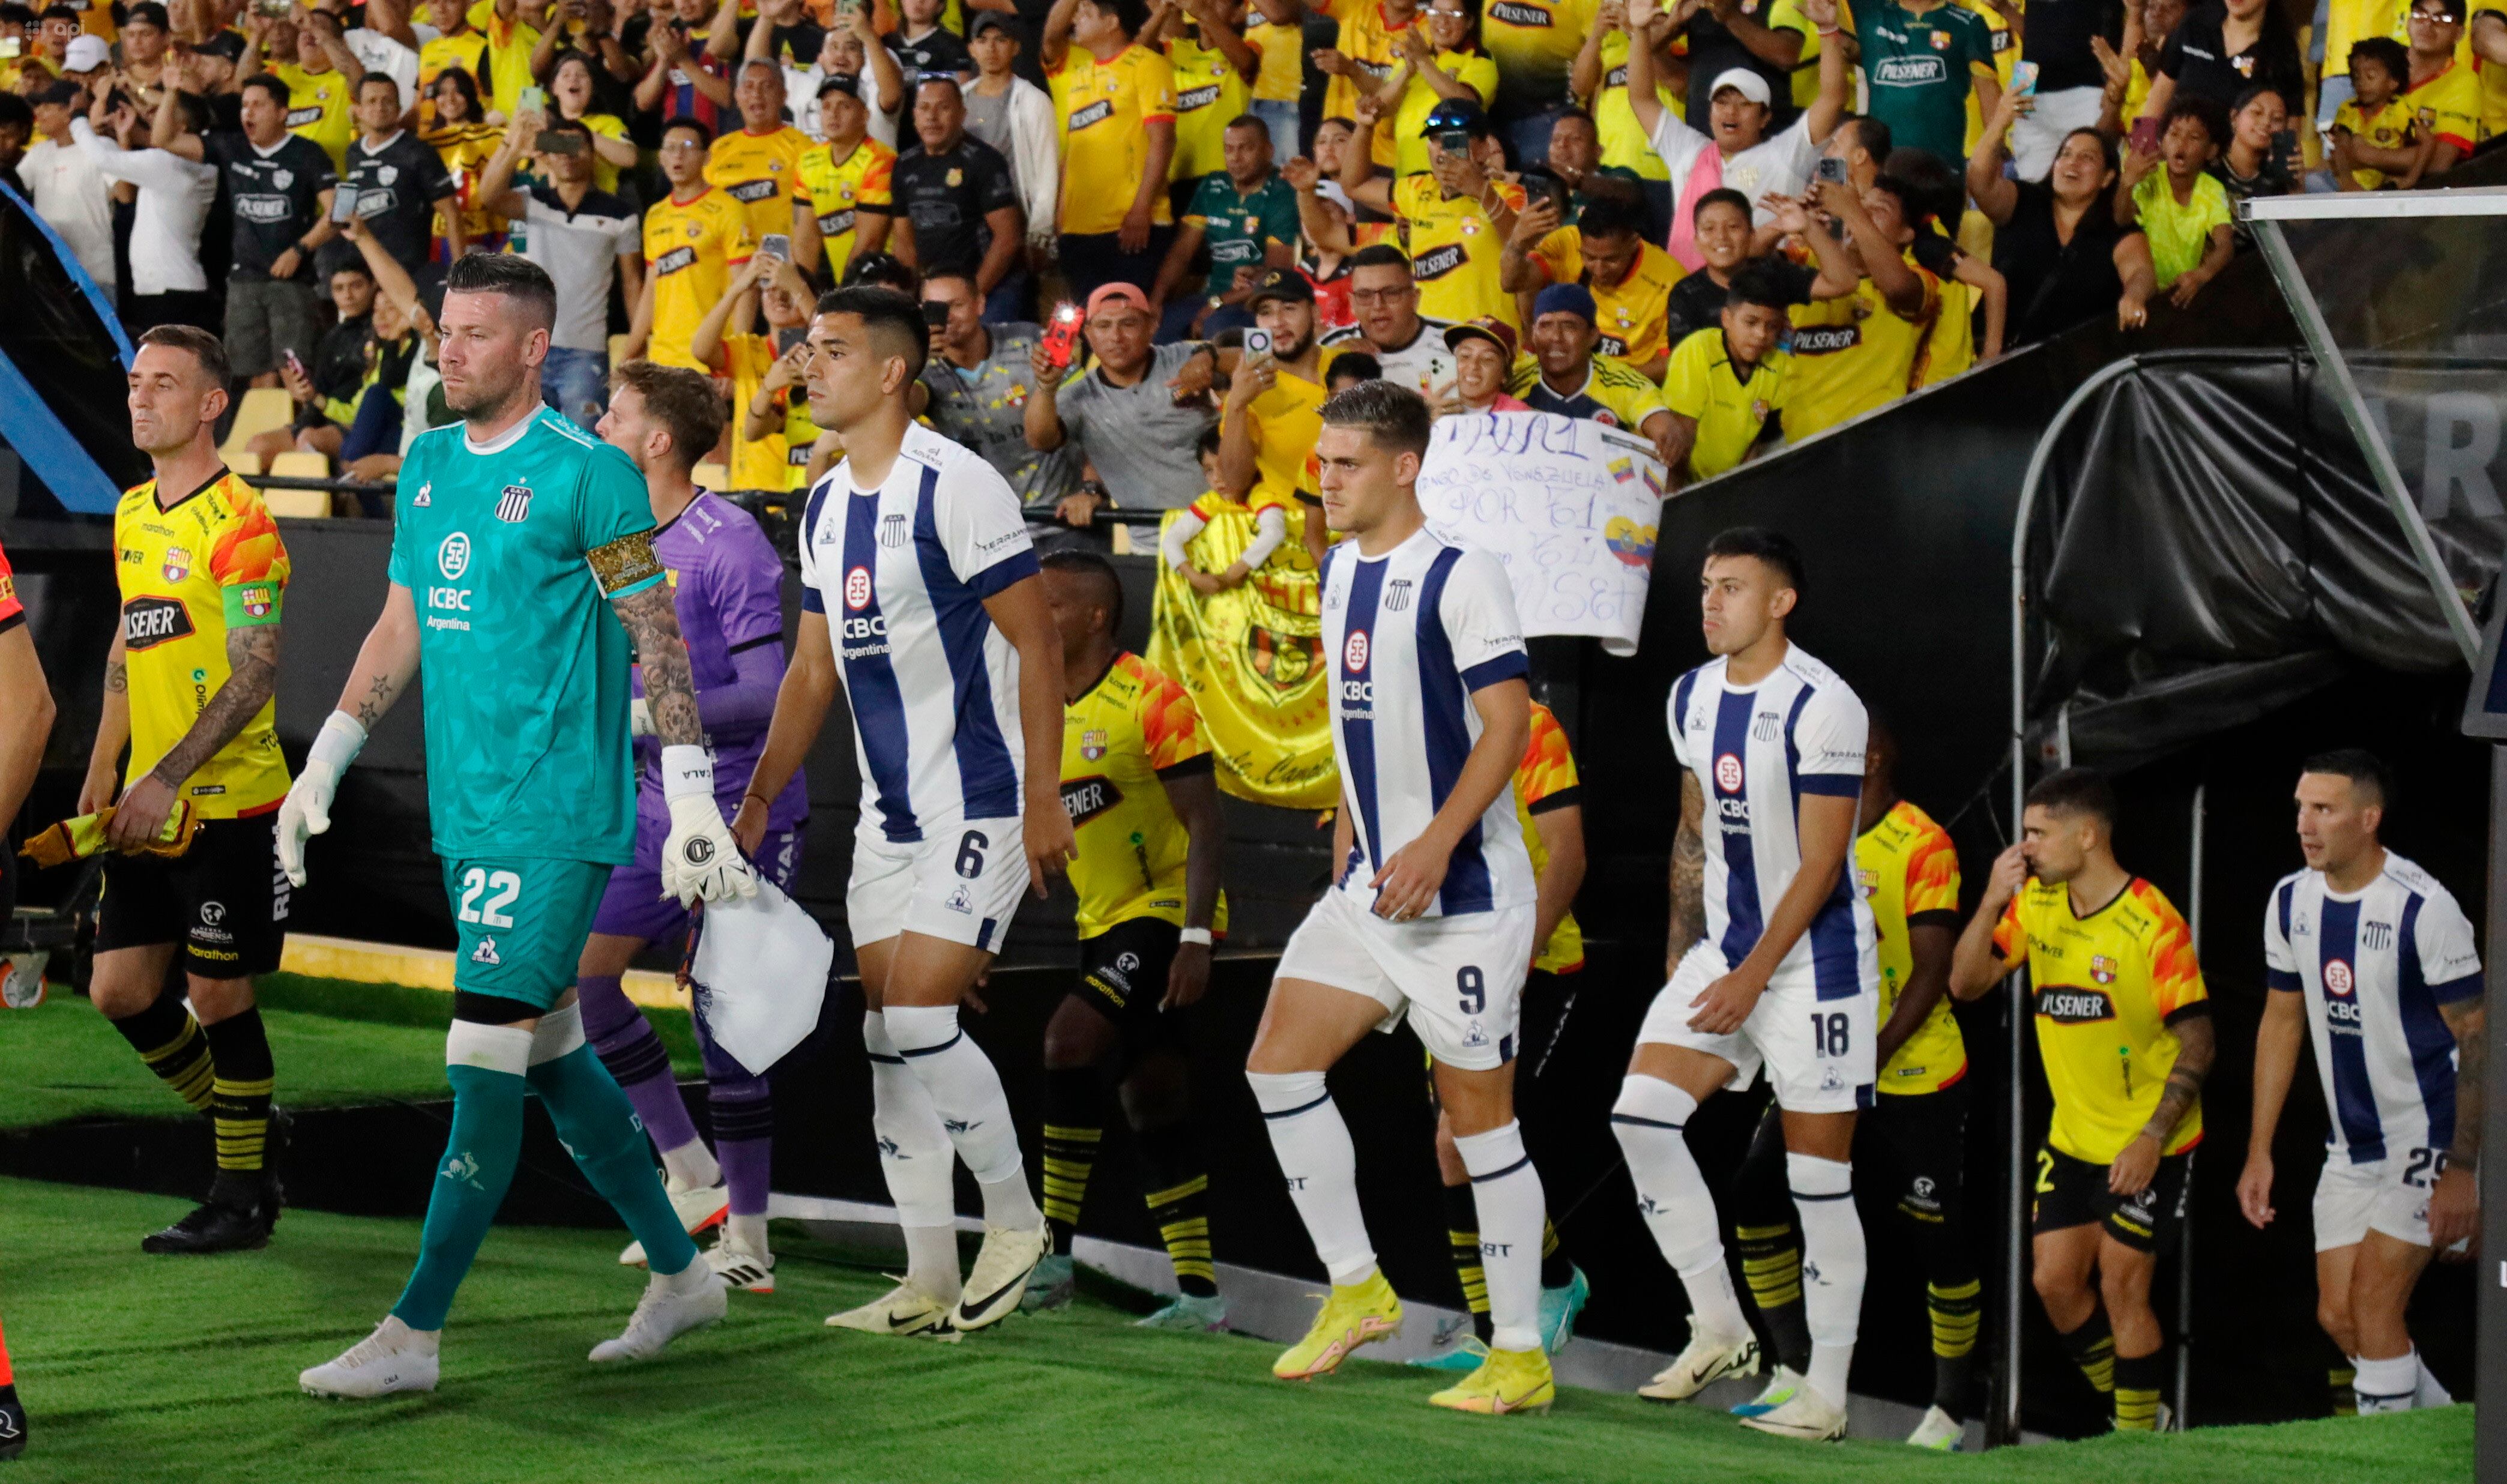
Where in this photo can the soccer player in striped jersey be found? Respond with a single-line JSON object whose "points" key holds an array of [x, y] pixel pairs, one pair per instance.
{"points": [[921, 596], [1431, 913], [1771, 965], [2369, 957], [2124, 1027]]}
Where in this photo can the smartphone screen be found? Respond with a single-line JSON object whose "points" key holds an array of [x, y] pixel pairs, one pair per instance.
{"points": [[343, 204], [777, 245], [2145, 135]]}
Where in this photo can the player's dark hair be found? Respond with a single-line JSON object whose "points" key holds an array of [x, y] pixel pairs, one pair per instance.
{"points": [[1377, 255], [704, 131], [1206, 445], [1720, 196], [1872, 133], [462, 83], [1352, 366], [1252, 122], [2075, 792], [1757, 282], [371, 78], [1774, 549], [519, 280], [2387, 53], [59, 11], [1611, 216], [14, 14], [148, 13], [1073, 557], [18, 111], [569, 127], [2366, 771], [205, 347], [267, 84], [948, 80], [683, 402], [958, 273], [1130, 14], [893, 319], [1343, 119], [2205, 110], [1932, 188], [1394, 416], [1571, 111], [2254, 92], [1912, 205], [882, 269]]}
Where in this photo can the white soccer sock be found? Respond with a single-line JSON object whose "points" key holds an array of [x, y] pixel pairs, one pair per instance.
{"points": [[1505, 1190], [2431, 1393], [748, 1233], [1678, 1208], [1833, 1265], [692, 1165], [1320, 1164], [966, 1093], [917, 1160], [2387, 1386]]}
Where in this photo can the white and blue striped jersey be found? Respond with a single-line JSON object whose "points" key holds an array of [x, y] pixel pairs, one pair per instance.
{"points": [[2374, 966], [1755, 752], [1412, 634], [902, 572]]}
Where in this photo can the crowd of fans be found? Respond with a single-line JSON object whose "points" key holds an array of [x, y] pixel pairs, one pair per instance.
{"points": [[1717, 224]]}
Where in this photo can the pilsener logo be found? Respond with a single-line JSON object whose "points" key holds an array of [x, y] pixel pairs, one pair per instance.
{"points": [[147, 622], [2072, 1006]]}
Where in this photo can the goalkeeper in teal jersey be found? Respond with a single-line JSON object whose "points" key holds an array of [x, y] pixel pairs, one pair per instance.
{"points": [[523, 585]]}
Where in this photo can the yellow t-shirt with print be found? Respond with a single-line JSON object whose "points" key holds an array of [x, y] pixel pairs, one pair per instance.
{"points": [[1909, 871], [1454, 250], [1366, 40], [1105, 109], [466, 149], [690, 248], [187, 577], [1634, 315], [1545, 781], [1534, 44], [839, 192], [509, 56], [1209, 94], [2449, 106], [1288, 418], [763, 173], [1473, 70], [1281, 74], [318, 107], [2108, 987], [1132, 731], [2388, 127], [1730, 410], [1853, 354]]}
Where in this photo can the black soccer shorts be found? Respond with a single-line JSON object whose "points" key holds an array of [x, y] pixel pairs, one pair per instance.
{"points": [[224, 901], [2073, 1192]]}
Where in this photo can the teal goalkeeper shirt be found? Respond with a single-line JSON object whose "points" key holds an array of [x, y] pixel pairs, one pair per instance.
{"points": [[512, 554]]}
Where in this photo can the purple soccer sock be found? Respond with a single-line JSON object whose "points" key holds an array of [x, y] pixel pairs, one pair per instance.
{"points": [[743, 1140], [625, 1044]]}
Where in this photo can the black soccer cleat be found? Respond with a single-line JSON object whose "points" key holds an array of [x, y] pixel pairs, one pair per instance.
{"points": [[13, 1423], [236, 1217]]}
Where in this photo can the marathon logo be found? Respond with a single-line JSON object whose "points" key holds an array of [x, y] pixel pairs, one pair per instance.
{"points": [[1084, 799], [2071, 1005], [148, 622], [676, 259], [1437, 262], [836, 223], [752, 191], [1508, 13], [1094, 113], [1826, 340], [1196, 97], [1909, 71]]}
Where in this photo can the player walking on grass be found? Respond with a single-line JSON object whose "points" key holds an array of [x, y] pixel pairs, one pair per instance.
{"points": [[187, 685], [26, 713], [726, 586], [1770, 966], [2369, 957], [1141, 786], [914, 551], [2123, 1024], [520, 530], [1431, 912]]}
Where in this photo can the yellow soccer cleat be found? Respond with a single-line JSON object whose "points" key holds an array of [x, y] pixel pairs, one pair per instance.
{"points": [[1508, 1381], [1360, 1313]]}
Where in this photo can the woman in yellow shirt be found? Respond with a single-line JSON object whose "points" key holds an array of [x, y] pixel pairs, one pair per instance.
{"points": [[466, 141], [1440, 60], [571, 96]]}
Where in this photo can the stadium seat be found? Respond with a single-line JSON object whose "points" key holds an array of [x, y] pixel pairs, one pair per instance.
{"points": [[264, 407], [301, 504], [712, 475], [246, 463]]}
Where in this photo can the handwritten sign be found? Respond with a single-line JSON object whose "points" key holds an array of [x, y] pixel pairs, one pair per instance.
{"points": [[1569, 505]]}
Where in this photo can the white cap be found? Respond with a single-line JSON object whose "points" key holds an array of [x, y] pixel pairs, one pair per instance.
{"points": [[85, 55], [1750, 84], [1330, 191]]}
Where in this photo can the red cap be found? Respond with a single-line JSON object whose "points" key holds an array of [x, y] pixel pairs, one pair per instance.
{"points": [[1117, 293]]}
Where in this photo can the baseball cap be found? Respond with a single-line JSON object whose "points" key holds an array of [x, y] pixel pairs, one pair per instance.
{"points": [[1330, 191], [1750, 84], [150, 13], [1282, 283], [1488, 327], [1566, 299], [1463, 114], [1116, 293], [994, 21], [85, 54], [840, 81]]}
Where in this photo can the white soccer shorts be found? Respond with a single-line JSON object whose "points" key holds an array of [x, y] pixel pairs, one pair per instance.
{"points": [[2390, 1196], [1817, 1051], [960, 882], [1458, 979]]}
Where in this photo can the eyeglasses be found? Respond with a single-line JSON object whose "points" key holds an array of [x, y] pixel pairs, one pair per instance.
{"points": [[1382, 296]]}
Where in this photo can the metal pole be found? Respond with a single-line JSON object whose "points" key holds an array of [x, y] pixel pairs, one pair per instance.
{"points": [[2489, 1412], [2185, 1237]]}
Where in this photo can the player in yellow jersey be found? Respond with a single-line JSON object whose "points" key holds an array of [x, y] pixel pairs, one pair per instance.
{"points": [[1606, 251], [1454, 219], [320, 95], [758, 164], [693, 240], [1140, 782], [1916, 1131], [187, 685], [2124, 1027], [1549, 805], [846, 182]]}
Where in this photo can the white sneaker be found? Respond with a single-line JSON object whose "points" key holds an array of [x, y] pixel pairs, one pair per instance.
{"points": [[699, 1207], [1808, 1415], [1782, 1383], [663, 1315], [393, 1358], [1708, 1358], [902, 1310], [1939, 1430], [1001, 1273], [739, 1268]]}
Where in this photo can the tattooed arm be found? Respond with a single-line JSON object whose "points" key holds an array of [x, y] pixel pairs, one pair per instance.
{"points": [[2195, 1044], [700, 859], [2454, 1203], [670, 688], [1688, 875], [252, 676], [386, 662], [112, 731]]}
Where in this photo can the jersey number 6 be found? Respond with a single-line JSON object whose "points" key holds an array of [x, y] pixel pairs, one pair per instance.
{"points": [[970, 855]]}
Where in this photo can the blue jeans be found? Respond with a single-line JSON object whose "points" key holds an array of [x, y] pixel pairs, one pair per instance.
{"points": [[576, 382], [1279, 116]]}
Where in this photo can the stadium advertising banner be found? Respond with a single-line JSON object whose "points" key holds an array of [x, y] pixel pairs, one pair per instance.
{"points": [[1570, 506]]}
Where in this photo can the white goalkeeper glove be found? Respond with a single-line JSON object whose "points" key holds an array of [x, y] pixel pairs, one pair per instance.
{"points": [[700, 859], [307, 810], [640, 717]]}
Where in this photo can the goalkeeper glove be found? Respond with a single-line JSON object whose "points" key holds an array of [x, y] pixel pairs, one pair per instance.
{"points": [[699, 859], [307, 810]]}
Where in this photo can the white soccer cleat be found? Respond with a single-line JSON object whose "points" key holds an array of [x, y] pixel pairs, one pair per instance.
{"points": [[699, 1207], [664, 1314], [1939, 1431], [739, 1268], [1708, 1358], [1808, 1415], [904, 1310], [1782, 1383], [393, 1358], [1000, 1274]]}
